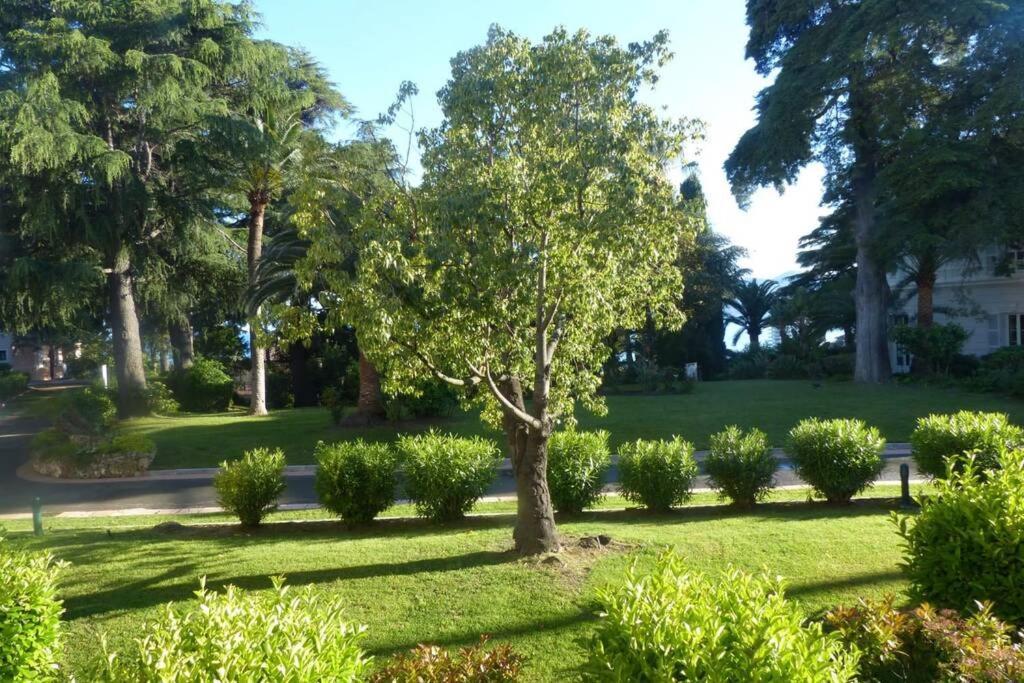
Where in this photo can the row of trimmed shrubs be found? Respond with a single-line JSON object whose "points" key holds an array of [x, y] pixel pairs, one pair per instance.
{"points": [[446, 475]]}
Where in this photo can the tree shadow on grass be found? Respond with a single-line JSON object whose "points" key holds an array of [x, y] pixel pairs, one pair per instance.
{"points": [[804, 590], [146, 593]]}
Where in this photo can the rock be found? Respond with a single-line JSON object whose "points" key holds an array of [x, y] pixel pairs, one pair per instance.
{"points": [[106, 466]]}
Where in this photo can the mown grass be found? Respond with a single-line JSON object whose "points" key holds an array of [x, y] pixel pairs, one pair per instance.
{"points": [[773, 406], [411, 582]]}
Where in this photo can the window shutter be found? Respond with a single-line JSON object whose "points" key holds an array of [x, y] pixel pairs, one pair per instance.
{"points": [[998, 331]]}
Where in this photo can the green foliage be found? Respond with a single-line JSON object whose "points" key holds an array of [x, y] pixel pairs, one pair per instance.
{"points": [[202, 388], [250, 487], [839, 365], [750, 364], [678, 625], [432, 664], [749, 308], [12, 384], [787, 366], [1002, 372], [922, 645], [89, 411], [159, 398], [936, 346], [355, 479], [741, 466], [221, 343], [239, 636], [53, 444], [839, 458], [965, 545], [657, 474], [445, 475], [127, 443], [577, 464], [30, 611], [334, 398], [434, 399], [939, 438]]}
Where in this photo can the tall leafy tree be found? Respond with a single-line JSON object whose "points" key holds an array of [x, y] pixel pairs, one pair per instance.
{"points": [[750, 309], [95, 99], [850, 81], [545, 221]]}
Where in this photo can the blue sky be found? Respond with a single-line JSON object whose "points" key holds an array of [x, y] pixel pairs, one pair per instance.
{"points": [[369, 48]]}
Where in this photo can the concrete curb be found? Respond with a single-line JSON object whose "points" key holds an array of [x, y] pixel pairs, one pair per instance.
{"points": [[147, 512], [25, 471]]}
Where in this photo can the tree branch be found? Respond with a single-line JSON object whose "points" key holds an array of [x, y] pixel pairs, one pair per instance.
{"points": [[520, 414]]}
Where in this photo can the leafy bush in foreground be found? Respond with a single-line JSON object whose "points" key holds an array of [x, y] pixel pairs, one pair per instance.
{"points": [[967, 542], [924, 644], [239, 636], [445, 475], [838, 458], [12, 384], [355, 479], [202, 388], [88, 411], [29, 615], [431, 664], [940, 437], [741, 466], [250, 487], [577, 464], [657, 474], [677, 625]]}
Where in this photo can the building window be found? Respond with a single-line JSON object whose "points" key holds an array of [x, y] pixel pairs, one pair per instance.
{"points": [[903, 357], [1014, 327], [3, 355], [1015, 256]]}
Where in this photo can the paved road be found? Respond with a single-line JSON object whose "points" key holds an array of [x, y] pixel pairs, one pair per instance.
{"points": [[16, 494]]}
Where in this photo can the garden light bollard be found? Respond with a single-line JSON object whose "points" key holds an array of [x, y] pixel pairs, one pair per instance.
{"points": [[37, 516], [905, 500]]}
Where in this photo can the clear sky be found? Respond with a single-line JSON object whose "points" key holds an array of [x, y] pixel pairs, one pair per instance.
{"points": [[369, 48]]}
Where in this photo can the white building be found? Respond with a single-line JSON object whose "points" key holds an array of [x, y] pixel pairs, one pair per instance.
{"points": [[33, 359], [986, 302]]}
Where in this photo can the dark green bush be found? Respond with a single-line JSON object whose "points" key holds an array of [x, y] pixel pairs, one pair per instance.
{"points": [[334, 399], [935, 347], [30, 630], [785, 366], [838, 458], [967, 542], [436, 399], [657, 474], [239, 636], [741, 466], [250, 487], [749, 365], [445, 475], [432, 664], [577, 464], [839, 365], [937, 438], [355, 479], [87, 411], [279, 387], [678, 625], [202, 388], [53, 444], [1001, 372], [922, 645], [12, 384]]}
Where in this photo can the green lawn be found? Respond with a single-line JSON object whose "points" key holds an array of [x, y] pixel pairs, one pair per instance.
{"points": [[774, 406], [412, 582]]}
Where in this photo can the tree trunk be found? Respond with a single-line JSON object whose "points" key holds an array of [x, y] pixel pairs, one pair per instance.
{"points": [[182, 342], [258, 374], [755, 339], [926, 299], [53, 362], [302, 383], [871, 290], [164, 367], [535, 530], [124, 323], [370, 405]]}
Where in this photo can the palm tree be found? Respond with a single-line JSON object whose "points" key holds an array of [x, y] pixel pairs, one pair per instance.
{"points": [[751, 306]]}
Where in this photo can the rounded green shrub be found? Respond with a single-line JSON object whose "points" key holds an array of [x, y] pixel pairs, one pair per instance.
{"points": [[937, 438], [202, 388], [741, 466], [355, 479], [838, 458], [29, 615], [87, 411], [678, 625], [250, 487], [967, 542], [52, 444], [12, 384], [657, 474], [239, 636], [577, 464], [445, 475]]}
